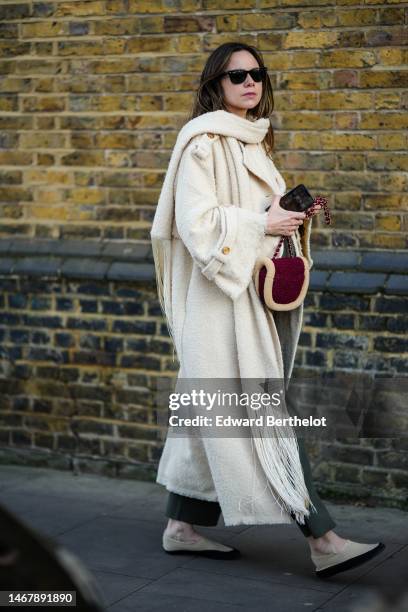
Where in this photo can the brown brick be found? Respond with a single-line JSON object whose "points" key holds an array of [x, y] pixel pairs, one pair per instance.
{"points": [[15, 194], [376, 121], [117, 27], [358, 17], [188, 24], [376, 478], [308, 141], [391, 141], [152, 25], [226, 23], [8, 103], [252, 21], [352, 221], [80, 49], [13, 49], [160, 44], [188, 44], [347, 141], [345, 100], [310, 40], [34, 140], [387, 161], [350, 58], [392, 56], [229, 4], [270, 42], [43, 29], [308, 121], [150, 6], [117, 7], [384, 78], [317, 19], [383, 241], [212, 41], [385, 202], [80, 9], [388, 222], [44, 103]]}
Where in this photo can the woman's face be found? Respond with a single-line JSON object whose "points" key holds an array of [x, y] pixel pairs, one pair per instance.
{"points": [[241, 98]]}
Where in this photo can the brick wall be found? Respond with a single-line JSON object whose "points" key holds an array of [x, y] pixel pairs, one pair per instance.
{"points": [[92, 95], [84, 348]]}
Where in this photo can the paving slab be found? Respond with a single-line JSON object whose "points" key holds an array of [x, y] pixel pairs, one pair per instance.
{"points": [[115, 587], [217, 588], [370, 524], [386, 582], [13, 475], [86, 486], [51, 515], [159, 602], [129, 547]]}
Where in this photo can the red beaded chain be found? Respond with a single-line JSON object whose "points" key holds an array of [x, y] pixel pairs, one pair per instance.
{"points": [[308, 213]]}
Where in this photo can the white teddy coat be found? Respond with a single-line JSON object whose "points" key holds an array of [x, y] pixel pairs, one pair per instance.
{"points": [[219, 326]]}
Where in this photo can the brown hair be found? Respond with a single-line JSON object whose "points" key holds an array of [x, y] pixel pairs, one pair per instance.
{"points": [[209, 96]]}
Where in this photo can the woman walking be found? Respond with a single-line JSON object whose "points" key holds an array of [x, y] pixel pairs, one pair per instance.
{"points": [[210, 228]]}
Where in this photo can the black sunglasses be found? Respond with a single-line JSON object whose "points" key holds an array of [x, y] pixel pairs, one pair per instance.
{"points": [[238, 76]]}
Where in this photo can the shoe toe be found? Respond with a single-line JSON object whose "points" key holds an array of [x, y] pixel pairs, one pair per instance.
{"points": [[352, 555], [203, 547]]}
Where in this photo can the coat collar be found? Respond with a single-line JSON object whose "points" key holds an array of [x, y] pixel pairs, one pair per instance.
{"points": [[256, 161]]}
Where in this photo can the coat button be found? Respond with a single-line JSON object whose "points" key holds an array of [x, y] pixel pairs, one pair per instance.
{"points": [[226, 250], [210, 135]]}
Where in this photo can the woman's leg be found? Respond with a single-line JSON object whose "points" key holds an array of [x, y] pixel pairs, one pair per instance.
{"points": [[329, 552], [318, 527], [191, 510], [179, 536], [319, 522], [183, 512]]}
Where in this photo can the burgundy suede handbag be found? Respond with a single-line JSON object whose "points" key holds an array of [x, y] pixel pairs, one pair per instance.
{"points": [[282, 282]]}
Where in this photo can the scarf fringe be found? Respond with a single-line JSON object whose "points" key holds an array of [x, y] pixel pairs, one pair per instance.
{"points": [[278, 452], [279, 458], [161, 249]]}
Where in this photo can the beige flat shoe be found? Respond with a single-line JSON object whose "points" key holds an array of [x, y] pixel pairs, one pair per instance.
{"points": [[204, 547], [352, 555]]}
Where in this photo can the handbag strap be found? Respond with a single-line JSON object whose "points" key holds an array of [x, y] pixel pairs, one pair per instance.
{"points": [[308, 213]]}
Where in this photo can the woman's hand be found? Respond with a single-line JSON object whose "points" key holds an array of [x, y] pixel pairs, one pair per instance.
{"points": [[314, 210], [282, 222]]}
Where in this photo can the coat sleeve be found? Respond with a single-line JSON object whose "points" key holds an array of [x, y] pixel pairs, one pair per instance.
{"points": [[224, 241]]}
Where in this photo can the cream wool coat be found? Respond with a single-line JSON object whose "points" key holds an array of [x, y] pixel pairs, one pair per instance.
{"points": [[219, 326]]}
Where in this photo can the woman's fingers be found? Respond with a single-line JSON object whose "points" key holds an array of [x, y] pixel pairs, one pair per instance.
{"points": [[288, 231], [315, 209], [292, 226]]}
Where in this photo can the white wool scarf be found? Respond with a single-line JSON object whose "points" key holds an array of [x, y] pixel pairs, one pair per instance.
{"points": [[217, 122]]}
